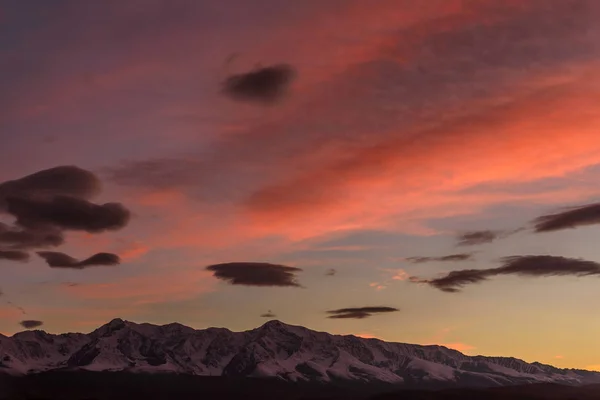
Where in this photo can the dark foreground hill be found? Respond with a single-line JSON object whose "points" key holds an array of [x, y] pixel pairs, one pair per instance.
{"points": [[86, 385]]}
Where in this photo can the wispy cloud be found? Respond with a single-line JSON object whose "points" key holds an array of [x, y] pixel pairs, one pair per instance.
{"points": [[477, 237], [528, 266], [264, 84], [568, 219], [448, 258]]}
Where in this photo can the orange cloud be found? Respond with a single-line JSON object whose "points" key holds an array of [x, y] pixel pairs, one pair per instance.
{"points": [[440, 339], [131, 250], [365, 335], [397, 275], [377, 285], [401, 275], [462, 347]]}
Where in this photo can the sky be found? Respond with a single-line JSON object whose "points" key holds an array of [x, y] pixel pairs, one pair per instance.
{"points": [[416, 171]]}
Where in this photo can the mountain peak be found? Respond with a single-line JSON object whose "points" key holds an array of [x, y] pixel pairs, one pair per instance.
{"points": [[274, 323], [114, 325], [274, 349]]}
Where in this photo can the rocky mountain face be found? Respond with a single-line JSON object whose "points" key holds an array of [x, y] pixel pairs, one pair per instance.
{"points": [[290, 353]]}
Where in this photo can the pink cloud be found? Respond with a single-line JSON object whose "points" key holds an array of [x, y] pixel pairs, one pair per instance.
{"points": [[397, 275], [131, 249], [445, 166], [377, 285], [401, 275], [381, 159], [390, 120]]}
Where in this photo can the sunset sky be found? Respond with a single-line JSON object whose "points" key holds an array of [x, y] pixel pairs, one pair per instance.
{"points": [[394, 155]]}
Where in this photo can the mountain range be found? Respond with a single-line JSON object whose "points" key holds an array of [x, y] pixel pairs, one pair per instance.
{"points": [[273, 350]]}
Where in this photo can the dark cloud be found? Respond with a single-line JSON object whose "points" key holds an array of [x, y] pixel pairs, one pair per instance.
{"points": [[477, 237], [63, 180], [331, 272], [14, 255], [268, 314], [20, 239], [547, 266], [454, 280], [69, 213], [451, 257], [485, 236], [255, 274], [57, 259], [360, 312], [568, 219], [49, 202], [31, 324], [531, 266], [266, 84]]}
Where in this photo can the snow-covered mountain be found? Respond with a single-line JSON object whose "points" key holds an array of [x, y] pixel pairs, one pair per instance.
{"points": [[291, 353]]}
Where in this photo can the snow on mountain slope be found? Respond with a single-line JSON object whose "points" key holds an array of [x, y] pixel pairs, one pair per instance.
{"points": [[275, 349]]}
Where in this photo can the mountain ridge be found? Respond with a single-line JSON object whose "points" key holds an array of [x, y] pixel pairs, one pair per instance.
{"points": [[273, 350]]}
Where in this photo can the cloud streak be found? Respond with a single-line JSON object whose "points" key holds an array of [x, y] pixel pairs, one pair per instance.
{"points": [[57, 259], [477, 237], [359, 312], [448, 258], [568, 219], [527, 266], [255, 274]]}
